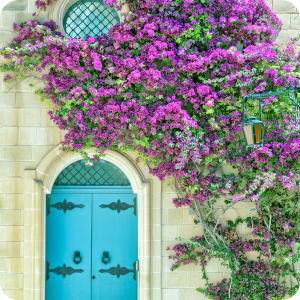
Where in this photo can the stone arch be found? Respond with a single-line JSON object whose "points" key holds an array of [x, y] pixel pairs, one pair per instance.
{"points": [[40, 182]]}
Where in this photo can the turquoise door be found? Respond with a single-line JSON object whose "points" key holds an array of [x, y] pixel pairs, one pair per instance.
{"points": [[91, 244]]}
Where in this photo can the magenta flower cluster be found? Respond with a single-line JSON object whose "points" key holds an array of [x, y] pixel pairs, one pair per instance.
{"points": [[168, 83]]}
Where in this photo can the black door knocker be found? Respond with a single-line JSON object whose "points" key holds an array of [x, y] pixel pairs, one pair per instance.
{"points": [[105, 258], [77, 258]]}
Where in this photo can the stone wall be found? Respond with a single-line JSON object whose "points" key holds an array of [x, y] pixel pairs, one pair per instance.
{"points": [[27, 135]]}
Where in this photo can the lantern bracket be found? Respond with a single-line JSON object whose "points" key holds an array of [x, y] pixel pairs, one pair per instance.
{"points": [[292, 93]]}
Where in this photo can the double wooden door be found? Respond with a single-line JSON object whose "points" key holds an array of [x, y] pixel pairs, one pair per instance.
{"points": [[91, 246]]}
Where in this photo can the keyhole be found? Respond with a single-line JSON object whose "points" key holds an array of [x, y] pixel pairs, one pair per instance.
{"points": [[93, 277]]}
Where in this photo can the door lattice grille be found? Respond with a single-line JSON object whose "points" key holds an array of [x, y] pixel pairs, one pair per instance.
{"points": [[101, 173], [89, 17]]}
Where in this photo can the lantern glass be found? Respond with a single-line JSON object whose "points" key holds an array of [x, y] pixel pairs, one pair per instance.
{"points": [[253, 131], [248, 134], [258, 132]]}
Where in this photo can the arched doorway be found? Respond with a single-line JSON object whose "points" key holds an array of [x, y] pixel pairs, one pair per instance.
{"points": [[91, 234]]}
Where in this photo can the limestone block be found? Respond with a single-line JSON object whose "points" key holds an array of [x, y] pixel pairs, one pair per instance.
{"points": [[7, 99], [145, 279], [7, 19], [191, 268], [7, 36], [213, 265], [167, 200], [156, 280], [28, 264], [14, 233], [23, 117], [39, 152], [194, 279], [1, 152], [269, 3], [10, 217], [22, 86], [188, 231], [9, 135], [188, 294], [156, 215], [156, 232], [31, 216], [166, 188], [295, 21], [2, 116], [252, 255], [28, 232], [164, 216], [214, 278], [168, 244], [28, 248], [22, 17], [11, 249], [19, 5], [14, 265], [169, 294], [27, 136], [2, 233], [3, 264], [156, 248], [281, 6], [28, 100], [14, 294], [6, 169], [175, 216], [286, 21], [188, 219], [19, 153], [49, 136], [176, 280], [169, 232], [230, 214], [3, 198], [11, 185], [45, 118], [166, 264], [285, 36], [9, 281]]}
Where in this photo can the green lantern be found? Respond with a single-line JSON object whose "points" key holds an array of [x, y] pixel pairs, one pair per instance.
{"points": [[253, 129]]}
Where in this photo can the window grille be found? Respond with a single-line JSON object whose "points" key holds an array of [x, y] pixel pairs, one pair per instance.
{"points": [[102, 173], [89, 17]]}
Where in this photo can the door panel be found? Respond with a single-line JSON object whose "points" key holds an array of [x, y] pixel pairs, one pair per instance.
{"points": [[68, 229], [114, 230]]}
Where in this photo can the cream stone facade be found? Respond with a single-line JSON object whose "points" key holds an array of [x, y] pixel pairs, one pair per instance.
{"points": [[30, 160]]}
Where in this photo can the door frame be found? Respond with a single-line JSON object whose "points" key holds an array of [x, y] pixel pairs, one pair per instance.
{"points": [[39, 183]]}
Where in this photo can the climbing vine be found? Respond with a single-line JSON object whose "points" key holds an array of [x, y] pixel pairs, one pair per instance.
{"points": [[168, 83]]}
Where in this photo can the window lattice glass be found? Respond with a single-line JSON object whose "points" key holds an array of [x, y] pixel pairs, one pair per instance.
{"points": [[89, 17], [101, 173]]}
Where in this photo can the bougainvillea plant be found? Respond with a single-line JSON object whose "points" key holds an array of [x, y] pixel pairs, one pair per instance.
{"points": [[167, 83]]}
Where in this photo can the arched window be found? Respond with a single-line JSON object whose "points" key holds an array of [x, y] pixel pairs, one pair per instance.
{"points": [[89, 17], [102, 173]]}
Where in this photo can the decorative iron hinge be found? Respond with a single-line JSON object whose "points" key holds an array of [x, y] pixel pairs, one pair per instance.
{"points": [[118, 206], [64, 206], [64, 270], [118, 271]]}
